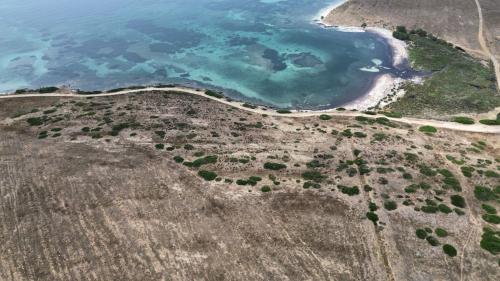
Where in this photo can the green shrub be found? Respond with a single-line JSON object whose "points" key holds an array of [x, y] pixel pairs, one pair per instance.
{"points": [[459, 211], [214, 94], [372, 206], [428, 171], [490, 241], [35, 121], [274, 166], [421, 234], [491, 174], [325, 117], [463, 120], [207, 175], [491, 218], [373, 217], [283, 111], [401, 35], [440, 232], [489, 209], [265, 188], [483, 193], [313, 176], [360, 135], [211, 159], [444, 209], [159, 146], [429, 209], [248, 105], [178, 159], [467, 171], [449, 250], [458, 201], [490, 122], [351, 191], [309, 184], [432, 240], [390, 205], [428, 129]]}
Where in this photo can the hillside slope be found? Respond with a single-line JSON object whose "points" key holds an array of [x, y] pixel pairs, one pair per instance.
{"points": [[109, 188], [456, 21]]}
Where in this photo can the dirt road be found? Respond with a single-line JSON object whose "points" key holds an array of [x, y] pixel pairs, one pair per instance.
{"points": [[477, 128]]}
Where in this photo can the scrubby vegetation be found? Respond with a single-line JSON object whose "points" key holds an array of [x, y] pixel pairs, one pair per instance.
{"points": [[458, 83]]}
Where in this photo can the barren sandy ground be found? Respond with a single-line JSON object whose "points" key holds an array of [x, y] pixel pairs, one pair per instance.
{"points": [[90, 204]]}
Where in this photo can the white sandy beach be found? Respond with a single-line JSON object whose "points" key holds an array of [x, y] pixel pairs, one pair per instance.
{"points": [[384, 83]]}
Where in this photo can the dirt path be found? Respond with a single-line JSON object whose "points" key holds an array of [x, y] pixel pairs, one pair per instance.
{"points": [[484, 44], [477, 128]]}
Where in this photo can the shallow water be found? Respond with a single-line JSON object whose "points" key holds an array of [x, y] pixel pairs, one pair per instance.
{"points": [[267, 51]]}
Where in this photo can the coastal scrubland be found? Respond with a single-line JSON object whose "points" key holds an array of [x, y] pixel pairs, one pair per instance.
{"points": [[155, 185], [454, 81]]}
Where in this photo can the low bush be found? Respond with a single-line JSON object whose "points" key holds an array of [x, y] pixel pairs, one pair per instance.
{"points": [[214, 94], [390, 205], [265, 188], [283, 111], [178, 159], [490, 122], [373, 217], [444, 209], [313, 176], [432, 240], [309, 184], [159, 146], [458, 201], [467, 171], [351, 191], [483, 193], [489, 209], [428, 129], [372, 206], [421, 234], [491, 218], [449, 250], [325, 117], [274, 166], [35, 121], [211, 159], [440, 232], [490, 241], [463, 120], [207, 175]]}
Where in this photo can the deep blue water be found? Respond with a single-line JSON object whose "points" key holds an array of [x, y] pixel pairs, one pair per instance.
{"points": [[267, 50]]}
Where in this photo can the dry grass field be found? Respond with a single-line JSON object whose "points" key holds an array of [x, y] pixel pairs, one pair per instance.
{"points": [[168, 186]]}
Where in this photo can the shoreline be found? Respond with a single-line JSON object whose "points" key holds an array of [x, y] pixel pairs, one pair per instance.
{"points": [[383, 84]]}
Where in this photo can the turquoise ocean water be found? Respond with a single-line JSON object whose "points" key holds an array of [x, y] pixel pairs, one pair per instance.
{"points": [[266, 51]]}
